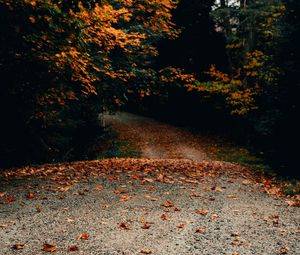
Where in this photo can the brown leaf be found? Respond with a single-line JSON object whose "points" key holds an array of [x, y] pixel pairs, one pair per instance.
{"points": [[49, 248], [73, 248], [146, 251], [200, 230], [120, 191], [146, 226], [167, 204], [284, 250], [18, 246], [124, 225], [84, 237], [202, 211]]}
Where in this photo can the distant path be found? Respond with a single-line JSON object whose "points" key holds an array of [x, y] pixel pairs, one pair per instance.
{"points": [[157, 139]]}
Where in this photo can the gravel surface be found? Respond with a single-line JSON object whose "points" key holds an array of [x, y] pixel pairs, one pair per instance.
{"points": [[187, 204], [135, 206]]}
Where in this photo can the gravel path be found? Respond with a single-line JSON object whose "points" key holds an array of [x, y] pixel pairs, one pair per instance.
{"points": [[145, 206]]}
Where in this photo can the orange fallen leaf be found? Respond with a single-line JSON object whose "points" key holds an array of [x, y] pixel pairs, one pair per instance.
{"points": [[99, 187], [18, 246], [146, 251], [84, 237], [112, 178], [8, 200], [124, 198], [202, 211], [30, 195], [2, 194], [167, 204], [49, 248], [293, 203], [73, 248]]}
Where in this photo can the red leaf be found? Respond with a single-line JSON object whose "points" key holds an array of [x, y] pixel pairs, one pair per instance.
{"points": [[124, 225], [164, 217], [9, 199], [73, 248], [30, 195], [84, 237]]}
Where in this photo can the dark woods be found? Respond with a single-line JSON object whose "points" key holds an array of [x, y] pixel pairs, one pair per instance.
{"points": [[232, 68]]}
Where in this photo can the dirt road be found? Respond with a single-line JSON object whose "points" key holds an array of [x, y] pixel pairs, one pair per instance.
{"points": [[157, 139]]}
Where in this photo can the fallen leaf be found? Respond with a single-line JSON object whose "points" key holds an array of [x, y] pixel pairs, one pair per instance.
{"points": [[124, 225], [49, 248], [112, 178], [124, 198], [18, 246], [275, 216], [99, 187], [284, 250], [38, 208], [73, 248], [150, 180], [202, 211], [120, 191], [84, 237], [177, 209], [293, 203], [246, 182], [151, 188], [2, 194], [30, 195], [167, 204], [164, 217], [236, 243], [200, 230], [181, 225], [146, 251], [8, 200], [146, 226]]}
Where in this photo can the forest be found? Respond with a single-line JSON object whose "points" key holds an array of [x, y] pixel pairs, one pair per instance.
{"points": [[227, 66]]}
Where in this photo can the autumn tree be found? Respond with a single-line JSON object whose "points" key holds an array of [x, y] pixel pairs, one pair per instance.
{"points": [[64, 61]]}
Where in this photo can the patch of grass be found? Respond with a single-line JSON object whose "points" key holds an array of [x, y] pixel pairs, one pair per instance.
{"points": [[111, 146], [220, 148]]}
